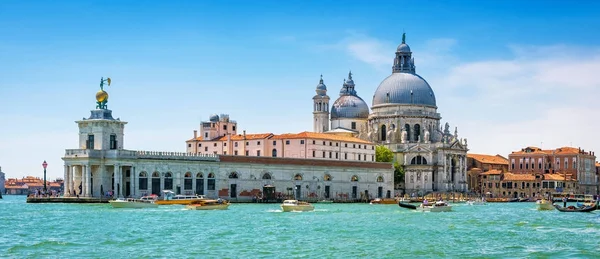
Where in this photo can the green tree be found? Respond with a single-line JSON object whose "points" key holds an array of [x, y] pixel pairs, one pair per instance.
{"points": [[383, 154], [398, 173]]}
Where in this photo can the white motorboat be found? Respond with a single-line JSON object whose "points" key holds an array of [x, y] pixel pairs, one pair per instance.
{"points": [[294, 205], [544, 205], [438, 206], [144, 202], [477, 202]]}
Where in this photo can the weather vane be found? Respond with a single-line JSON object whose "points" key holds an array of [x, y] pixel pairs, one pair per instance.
{"points": [[102, 96]]}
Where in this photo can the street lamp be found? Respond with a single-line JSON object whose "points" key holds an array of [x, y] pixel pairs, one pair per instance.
{"points": [[44, 165]]}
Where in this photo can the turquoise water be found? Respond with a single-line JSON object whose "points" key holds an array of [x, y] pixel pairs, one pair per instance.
{"points": [[513, 230]]}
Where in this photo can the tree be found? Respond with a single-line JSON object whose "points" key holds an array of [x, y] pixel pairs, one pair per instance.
{"points": [[383, 154], [398, 173]]}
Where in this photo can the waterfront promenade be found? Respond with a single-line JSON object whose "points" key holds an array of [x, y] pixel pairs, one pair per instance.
{"points": [[499, 230]]}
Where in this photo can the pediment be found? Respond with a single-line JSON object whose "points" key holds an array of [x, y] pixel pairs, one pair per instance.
{"points": [[457, 145], [419, 149]]}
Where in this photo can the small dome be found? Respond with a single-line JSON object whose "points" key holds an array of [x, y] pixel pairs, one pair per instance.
{"points": [[321, 87], [404, 88], [214, 118], [403, 48], [349, 107]]}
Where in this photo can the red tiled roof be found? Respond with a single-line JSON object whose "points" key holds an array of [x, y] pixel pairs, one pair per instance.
{"points": [[246, 137], [300, 161], [323, 136], [489, 159], [492, 172], [518, 177]]}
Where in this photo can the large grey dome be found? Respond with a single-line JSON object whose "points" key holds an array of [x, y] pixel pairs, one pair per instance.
{"points": [[404, 88], [349, 107]]}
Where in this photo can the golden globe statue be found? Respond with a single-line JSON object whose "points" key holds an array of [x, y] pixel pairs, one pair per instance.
{"points": [[101, 96]]}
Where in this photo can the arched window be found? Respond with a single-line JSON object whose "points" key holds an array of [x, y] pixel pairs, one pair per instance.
{"points": [[266, 176], [233, 175], [327, 177], [155, 175], [274, 153], [187, 181], [298, 177], [211, 175], [354, 178], [417, 132], [383, 132], [407, 129], [168, 183], [143, 181], [418, 160], [199, 175], [380, 179]]}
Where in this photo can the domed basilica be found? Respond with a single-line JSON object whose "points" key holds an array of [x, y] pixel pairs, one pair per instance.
{"points": [[403, 118]]}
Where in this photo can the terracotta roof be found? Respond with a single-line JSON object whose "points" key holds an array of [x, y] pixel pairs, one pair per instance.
{"points": [[492, 172], [489, 159], [197, 139], [532, 150], [323, 136], [475, 169], [518, 177], [247, 137], [555, 177], [597, 164]]}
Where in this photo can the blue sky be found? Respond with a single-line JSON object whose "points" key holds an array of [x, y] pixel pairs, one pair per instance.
{"points": [[508, 73]]}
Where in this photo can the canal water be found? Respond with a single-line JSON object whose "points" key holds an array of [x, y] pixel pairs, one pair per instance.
{"points": [[500, 230]]}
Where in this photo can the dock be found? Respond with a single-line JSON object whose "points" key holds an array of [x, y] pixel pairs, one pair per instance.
{"points": [[66, 200]]}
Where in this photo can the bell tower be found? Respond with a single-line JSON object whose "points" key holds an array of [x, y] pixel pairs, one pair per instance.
{"points": [[101, 131], [321, 108]]}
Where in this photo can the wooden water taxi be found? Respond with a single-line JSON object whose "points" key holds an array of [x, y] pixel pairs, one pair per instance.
{"points": [[295, 205], [207, 204], [384, 201]]}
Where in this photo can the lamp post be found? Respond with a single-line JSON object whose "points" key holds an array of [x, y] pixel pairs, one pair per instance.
{"points": [[44, 165]]}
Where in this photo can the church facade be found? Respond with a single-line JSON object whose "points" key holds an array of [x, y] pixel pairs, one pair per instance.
{"points": [[404, 118]]}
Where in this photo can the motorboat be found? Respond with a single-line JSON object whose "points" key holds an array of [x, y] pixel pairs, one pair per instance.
{"points": [[208, 204], [575, 209], [144, 202], [544, 205], [477, 202], [295, 205], [438, 206], [384, 201], [170, 198]]}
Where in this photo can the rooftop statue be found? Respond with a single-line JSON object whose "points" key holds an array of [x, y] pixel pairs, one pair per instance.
{"points": [[102, 96]]}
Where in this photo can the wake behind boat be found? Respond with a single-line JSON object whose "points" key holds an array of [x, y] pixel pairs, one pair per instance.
{"points": [[438, 206], [544, 205], [295, 205], [144, 202]]}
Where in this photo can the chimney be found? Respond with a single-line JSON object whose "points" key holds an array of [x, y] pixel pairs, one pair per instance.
{"points": [[244, 134], [195, 134]]}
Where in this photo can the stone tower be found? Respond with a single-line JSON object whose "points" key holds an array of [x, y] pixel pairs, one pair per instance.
{"points": [[321, 108]]}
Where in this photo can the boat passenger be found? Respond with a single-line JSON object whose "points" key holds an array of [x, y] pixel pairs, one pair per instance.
{"points": [[219, 201], [425, 202]]}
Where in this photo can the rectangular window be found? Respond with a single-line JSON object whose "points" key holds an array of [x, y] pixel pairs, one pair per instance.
{"points": [[353, 125], [358, 146], [224, 127], [323, 154], [247, 152], [353, 145], [323, 143], [189, 145], [372, 158], [113, 141], [214, 144], [233, 128], [329, 154], [187, 184], [257, 152], [211, 184], [330, 144], [206, 135], [287, 142], [345, 144], [235, 153], [224, 152], [313, 153], [247, 143], [274, 142], [90, 142], [200, 145], [346, 156], [337, 144], [336, 155], [313, 142], [358, 157], [224, 144], [258, 143], [302, 142], [205, 148], [235, 144], [215, 152], [143, 183]]}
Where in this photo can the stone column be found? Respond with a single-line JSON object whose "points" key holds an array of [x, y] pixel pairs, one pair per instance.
{"points": [[83, 180], [132, 179], [88, 181], [119, 182], [193, 183], [66, 181]]}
